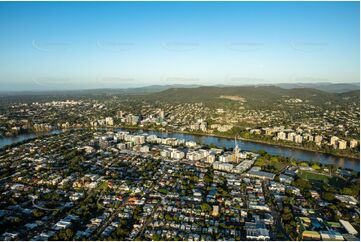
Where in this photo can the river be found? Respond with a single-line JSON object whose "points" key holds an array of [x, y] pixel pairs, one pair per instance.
{"points": [[21, 137], [301, 155]]}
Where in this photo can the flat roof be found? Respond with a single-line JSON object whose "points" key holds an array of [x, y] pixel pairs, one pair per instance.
{"points": [[311, 233], [350, 229], [261, 174]]}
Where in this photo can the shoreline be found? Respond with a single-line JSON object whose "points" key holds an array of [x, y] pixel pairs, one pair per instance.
{"points": [[248, 140], [200, 134]]}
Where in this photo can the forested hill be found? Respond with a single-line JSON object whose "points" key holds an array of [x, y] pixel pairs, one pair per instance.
{"points": [[260, 95]]}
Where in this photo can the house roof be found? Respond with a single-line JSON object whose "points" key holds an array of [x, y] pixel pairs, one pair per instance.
{"points": [[350, 229]]}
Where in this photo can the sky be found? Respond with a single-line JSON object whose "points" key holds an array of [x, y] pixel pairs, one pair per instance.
{"points": [[83, 45]]}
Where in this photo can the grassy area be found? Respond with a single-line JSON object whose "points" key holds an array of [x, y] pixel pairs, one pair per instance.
{"points": [[334, 181], [313, 176]]}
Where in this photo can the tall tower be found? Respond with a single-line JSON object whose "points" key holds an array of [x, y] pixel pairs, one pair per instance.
{"points": [[161, 114], [236, 149]]}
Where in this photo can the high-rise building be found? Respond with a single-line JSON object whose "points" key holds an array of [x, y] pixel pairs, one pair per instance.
{"points": [[281, 135], [291, 136], [318, 139], [203, 126], [138, 139], [109, 121], [132, 119], [342, 144], [334, 140], [298, 139], [177, 154], [161, 114], [353, 143], [211, 159], [236, 150]]}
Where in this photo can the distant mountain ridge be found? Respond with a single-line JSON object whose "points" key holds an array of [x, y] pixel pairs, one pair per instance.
{"points": [[99, 91], [323, 86], [327, 87]]}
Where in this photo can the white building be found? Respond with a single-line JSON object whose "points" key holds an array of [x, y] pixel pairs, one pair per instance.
{"points": [[334, 140], [291, 136], [177, 154], [211, 159], [222, 166], [109, 121], [191, 144], [298, 139], [226, 157], [353, 143], [318, 139], [350, 229], [194, 155], [281, 135], [342, 144], [165, 153]]}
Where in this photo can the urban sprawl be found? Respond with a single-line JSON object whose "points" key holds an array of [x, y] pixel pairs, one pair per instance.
{"points": [[105, 174], [335, 132], [106, 185]]}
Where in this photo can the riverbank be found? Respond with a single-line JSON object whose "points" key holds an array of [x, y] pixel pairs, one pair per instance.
{"points": [[226, 141], [354, 157], [24, 138], [245, 139], [301, 148]]}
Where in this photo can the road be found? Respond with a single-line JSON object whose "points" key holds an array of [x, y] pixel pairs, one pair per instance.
{"points": [[148, 219], [41, 208], [146, 223], [276, 215], [109, 220], [114, 214]]}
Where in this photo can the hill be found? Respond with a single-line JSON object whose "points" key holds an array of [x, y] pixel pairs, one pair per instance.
{"points": [[323, 86], [255, 96]]}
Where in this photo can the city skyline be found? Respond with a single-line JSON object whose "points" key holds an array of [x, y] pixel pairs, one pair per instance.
{"points": [[124, 45]]}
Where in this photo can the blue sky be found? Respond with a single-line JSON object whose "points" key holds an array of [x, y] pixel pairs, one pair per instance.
{"points": [[74, 45]]}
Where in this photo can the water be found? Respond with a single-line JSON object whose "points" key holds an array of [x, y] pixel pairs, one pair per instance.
{"points": [[296, 154], [19, 138]]}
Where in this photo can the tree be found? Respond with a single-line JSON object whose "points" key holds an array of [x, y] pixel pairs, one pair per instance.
{"points": [[38, 213], [303, 184], [208, 179], [316, 167], [349, 191], [69, 233], [328, 196], [304, 164], [168, 217], [205, 207], [262, 152], [121, 232], [287, 216], [155, 237], [163, 191]]}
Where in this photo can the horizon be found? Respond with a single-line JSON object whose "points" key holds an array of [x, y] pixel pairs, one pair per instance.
{"points": [[312, 85], [53, 46]]}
